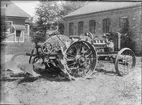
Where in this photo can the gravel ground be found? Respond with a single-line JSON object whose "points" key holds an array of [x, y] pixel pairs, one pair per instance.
{"points": [[103, 88]]}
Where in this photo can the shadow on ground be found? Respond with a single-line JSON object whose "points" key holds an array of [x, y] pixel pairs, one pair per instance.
{"points": [[44, 75], [50, 76], [111, 73], [26, 77]]}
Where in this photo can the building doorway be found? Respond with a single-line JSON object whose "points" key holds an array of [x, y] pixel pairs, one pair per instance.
{"points": [[19, 36]]}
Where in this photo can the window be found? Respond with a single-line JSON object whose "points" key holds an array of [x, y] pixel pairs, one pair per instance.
{"points": [[12, 29], [71, 28], [106, 25], [92, 25], [124, 24], [19, 36], [18, 33], [6, 5], [27, 28], [9, 27], [80, 28]]}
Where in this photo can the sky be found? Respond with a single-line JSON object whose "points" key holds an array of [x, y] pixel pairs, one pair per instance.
{"points": [[27, 6]]}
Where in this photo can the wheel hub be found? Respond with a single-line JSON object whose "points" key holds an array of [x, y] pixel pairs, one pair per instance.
{"points": [[77, 56]]}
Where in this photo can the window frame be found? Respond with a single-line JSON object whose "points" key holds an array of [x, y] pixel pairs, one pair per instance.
{"points": [[106, 25], [92, 26], [124, 24], [80, 27], [120, 22], [71, 28]]}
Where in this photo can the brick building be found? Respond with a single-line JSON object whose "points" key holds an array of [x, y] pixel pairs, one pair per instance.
{"points": [[103, 17], [15, 19]]}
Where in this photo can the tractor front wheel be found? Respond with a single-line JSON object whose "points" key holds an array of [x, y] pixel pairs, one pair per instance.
{"points": [[125, 61]]}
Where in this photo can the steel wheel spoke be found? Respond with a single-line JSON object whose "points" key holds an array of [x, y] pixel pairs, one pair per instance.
{"points": [[88, 54], [71, 64], [68, 54], [71, 59]]}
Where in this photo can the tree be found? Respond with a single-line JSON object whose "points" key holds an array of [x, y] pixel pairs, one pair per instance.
{"points": [[47, 17], [50, 14], [3, 30], [70, 6]]}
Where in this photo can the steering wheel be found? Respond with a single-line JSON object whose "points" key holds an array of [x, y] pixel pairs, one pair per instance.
{"points": [[47, 48]]}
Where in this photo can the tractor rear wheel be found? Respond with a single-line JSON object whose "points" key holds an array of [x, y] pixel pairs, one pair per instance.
{"points": [[81, 59]]}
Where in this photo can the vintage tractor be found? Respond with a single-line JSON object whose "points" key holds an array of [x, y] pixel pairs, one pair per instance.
{"points": [[72, 56], [77, 56]]}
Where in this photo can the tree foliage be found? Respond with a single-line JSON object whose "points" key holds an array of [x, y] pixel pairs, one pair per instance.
{"points": [[70, 6], [50, 14], [3, 30]]}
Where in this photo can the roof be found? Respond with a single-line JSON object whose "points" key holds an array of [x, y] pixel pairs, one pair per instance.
{"points": [[15, 11], [93, 7]]}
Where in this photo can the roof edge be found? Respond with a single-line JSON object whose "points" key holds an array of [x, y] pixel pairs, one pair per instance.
{"points": [[17, 16], [21, 10], [65, 17]]}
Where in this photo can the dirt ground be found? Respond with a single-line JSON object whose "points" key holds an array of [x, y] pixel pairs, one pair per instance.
{"points": [[103, 88]]}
